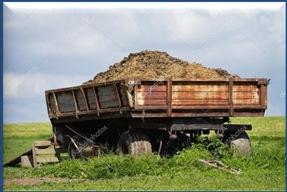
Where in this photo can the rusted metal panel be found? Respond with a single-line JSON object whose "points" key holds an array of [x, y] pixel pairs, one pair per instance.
{"points": [[246, 93], [149, 102], [192, 87], [151, 94], [244, 87], [152, 88], [206, 102], [212, 95], [199, 95], [196, 107], [250, 94]]}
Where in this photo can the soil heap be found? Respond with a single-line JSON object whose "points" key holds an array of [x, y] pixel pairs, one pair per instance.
{"points": [[157, 65]]}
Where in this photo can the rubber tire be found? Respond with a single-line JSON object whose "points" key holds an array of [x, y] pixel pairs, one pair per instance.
{"points": [[134, 143], [241, 144]]}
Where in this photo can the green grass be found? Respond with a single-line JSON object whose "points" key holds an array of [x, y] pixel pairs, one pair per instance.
{"points": [[18, 138], [263, 169]]}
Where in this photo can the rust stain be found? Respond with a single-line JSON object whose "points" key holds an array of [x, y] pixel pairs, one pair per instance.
{"points": [[181, 98]]}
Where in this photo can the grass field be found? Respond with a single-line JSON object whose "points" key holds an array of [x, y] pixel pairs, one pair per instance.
{"points": [[264, 169]]}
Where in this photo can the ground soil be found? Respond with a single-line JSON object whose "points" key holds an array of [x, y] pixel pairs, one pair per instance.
{"points": [[157, 65], [32, 181]]}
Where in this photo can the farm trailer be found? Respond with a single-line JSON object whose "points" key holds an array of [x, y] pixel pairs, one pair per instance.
{"points": [[144, 116]]}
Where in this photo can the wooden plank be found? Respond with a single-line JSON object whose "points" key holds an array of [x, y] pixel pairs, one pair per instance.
{"points": [[109, 104], [97, 101], [85, 86], [107, 97], [75, 103], [56, 102], [119, 97], [26, 161], [41, 143], [124, 95], [91, 98], [85, 99], [34, 156], [91, 112], [80, 100], [47, 151], [48, 103], [42, 159]]}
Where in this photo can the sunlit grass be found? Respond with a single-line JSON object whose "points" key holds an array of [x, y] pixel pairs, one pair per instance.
{"points": [[263, 169]]}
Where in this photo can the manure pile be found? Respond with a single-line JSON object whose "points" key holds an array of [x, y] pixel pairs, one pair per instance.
{"points": [[157, 65]]}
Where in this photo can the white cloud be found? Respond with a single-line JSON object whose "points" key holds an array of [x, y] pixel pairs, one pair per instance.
{"points": [[68, 46], [33, 85]]}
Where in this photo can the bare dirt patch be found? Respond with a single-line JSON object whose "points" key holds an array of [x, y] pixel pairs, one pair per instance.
{"points": [[157, 65], [32, 181]]}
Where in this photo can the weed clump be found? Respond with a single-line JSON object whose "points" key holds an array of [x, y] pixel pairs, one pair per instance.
{"points": [[183, 162]]}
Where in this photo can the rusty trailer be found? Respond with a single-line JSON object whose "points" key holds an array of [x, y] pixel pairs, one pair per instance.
{"points": [[139, 116]]}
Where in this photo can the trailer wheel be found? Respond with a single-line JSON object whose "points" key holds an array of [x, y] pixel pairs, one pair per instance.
{"points": [[134, 143], [239, 143]]}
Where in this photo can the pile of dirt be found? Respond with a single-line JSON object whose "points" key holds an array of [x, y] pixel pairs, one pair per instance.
{"points": [[157, 65]]}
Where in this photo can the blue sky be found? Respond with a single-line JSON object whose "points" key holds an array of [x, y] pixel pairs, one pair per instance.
{"points": [[60, 45]]}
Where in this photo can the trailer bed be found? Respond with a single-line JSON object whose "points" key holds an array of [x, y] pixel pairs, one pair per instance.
{"points": [[159, 98]]}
